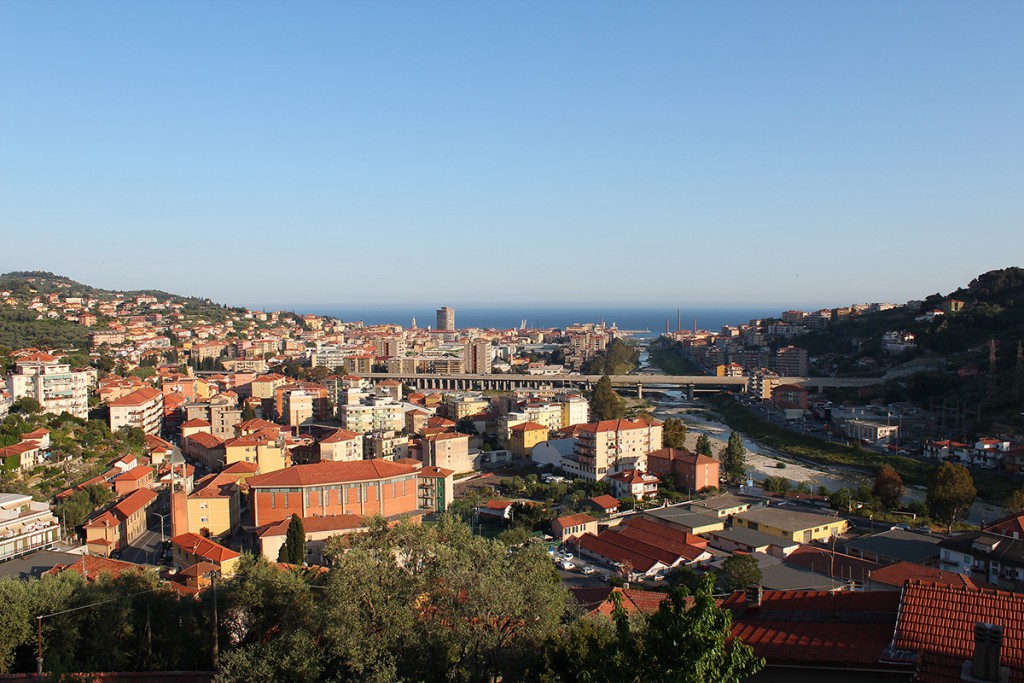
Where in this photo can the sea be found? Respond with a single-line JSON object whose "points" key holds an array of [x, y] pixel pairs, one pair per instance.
{"points": [[649, 321]]}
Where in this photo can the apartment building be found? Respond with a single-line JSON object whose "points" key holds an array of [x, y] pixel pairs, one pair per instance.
{"points": [[341, 446], [25, 525], [221, 412], [446, 319], [613, 446], [142, 408], [448, 450], [44, 378], [374, 414], [476, 357]]}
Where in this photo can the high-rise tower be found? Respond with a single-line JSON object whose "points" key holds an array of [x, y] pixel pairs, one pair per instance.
{"points": [[446, 318]]}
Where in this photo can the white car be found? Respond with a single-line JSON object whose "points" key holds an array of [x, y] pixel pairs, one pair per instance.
{"points": [[566, 556], [567, 566], [587, 569]]}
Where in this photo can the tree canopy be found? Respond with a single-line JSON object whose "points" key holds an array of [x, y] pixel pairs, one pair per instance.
{"points": [[734, 459], [704, 446], [950, 493], [673, 433], [605, 404], [888, 487]]}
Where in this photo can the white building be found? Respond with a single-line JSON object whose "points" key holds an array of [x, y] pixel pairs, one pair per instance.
{"points": [[25, 525], [44, 378], [143, 408]]}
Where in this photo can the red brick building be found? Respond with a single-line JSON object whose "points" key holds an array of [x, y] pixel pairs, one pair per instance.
{"points": [[361, 487], [691, 471]]}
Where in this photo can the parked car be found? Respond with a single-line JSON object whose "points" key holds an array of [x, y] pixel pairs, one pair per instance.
{"points": [[567, 566], [587, 569]]}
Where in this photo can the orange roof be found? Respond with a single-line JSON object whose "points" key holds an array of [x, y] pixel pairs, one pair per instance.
{"points": [[605, 502], [196, 422], [204, 439], [901, 572], [528, 427], [618, 425], [137, 398], [215, 486], [241, 467], [91, 567], [135, 473], [340, 435], [937, 622], [204, 548], [574, 520], [332, 472], [432, 472], [317, 524]]}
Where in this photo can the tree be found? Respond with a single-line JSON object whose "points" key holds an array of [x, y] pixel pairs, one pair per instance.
{"points": [[888, 487], [739, 571], [673, 433], [605, 404], [294, 549], [734, 459], [248, 413], [1014, 502], [950, 493], [26, 405], [841, 500], [704, 446], [776, 485]]}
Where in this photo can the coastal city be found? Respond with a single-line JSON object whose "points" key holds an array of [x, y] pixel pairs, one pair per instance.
{"points": [[180, 440], [462, 342]]}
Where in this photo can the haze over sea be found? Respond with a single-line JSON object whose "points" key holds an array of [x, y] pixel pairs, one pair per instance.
{"points": [[504, 317]]}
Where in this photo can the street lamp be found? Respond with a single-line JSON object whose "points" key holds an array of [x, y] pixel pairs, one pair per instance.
{"points": [[162, 516]]}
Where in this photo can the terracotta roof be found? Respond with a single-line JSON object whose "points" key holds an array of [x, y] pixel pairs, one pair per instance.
{"points": [[91, 567], [528, 427], [498, 504], [823, 561], [195, 422], [432, 472], [681, 454], [134, 501], [318, 525], [901, 572], [204, 547], [599, 600], [1006, 526], [136, 398], [204, 439], [332, 472], [134, 474], [241, 467], [574, 520], [618, 425], [817, 628], [605, 502], [340, 435], [215, 486]]}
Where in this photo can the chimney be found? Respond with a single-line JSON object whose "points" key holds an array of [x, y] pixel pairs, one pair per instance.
{"points": [[988, 644], [754, 594]]}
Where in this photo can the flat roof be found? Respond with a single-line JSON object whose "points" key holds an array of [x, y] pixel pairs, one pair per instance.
{"points": [[751, 538], [683, 517], [786, 519], [898, 545]]}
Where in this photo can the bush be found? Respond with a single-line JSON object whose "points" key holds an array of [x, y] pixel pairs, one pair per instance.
{"points": [[780, 465]]}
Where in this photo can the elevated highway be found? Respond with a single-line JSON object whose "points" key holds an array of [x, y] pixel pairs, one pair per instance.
{"points": [[687, 383]]}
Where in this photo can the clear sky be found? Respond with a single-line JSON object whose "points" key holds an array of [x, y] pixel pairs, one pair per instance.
{"points": [[680, 153]]}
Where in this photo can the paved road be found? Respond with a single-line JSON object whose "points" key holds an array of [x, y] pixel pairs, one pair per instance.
{"points": [[146, 549]]}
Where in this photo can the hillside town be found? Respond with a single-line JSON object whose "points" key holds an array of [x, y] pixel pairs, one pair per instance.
{"points": [[187, 437]]}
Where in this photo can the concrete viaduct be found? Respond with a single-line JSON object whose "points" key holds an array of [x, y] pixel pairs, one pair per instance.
{"points": [[686, 383]]}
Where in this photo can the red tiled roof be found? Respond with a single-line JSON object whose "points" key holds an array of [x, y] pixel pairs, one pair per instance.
{"points": [[204, 439], [1006, 526], [318, 525], [901, 572], [137, 398], [332, 472], [215, 486], [937, 622], [528, 427], [681, 454], [618, 425], [196, 422], [497, 504], [600, 600], [204, 547], [574, 520], [91, 567], [605, 502], [838, 565], [134, 501], [134, 474], [817, 628], [432, 472], [241, 467], [340, 435]]}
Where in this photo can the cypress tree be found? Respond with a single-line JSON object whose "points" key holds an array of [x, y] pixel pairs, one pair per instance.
{"points": [[294, 549]]}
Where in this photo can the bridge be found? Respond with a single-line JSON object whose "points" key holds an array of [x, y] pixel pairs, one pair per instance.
{"points": [[687, 383]]}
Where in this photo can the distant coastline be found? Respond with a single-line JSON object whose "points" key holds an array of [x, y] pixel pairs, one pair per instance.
{"points": [[505, 317]]}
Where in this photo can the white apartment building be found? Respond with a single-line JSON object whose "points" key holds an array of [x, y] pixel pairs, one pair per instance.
{"points": [[143, 408], [25, 525], [374, 414], [476, 357], [44, 378], [612, 446]]}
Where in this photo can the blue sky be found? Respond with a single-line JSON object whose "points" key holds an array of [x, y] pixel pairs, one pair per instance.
{"points": [[649, 153]]}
